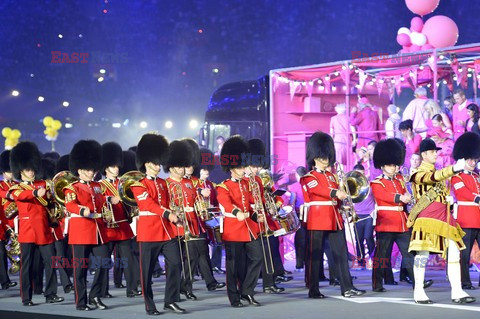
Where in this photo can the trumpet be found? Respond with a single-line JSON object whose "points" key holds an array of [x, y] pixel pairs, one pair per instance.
{"points": [[201, 207]]}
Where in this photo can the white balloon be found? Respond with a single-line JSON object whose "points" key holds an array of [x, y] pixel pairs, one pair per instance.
{"points": [[418, 38], [403, 30]]}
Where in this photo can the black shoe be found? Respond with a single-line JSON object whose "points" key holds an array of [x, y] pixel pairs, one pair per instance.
{"points": [[468, 287], [335, 282], [251, 300], [427, 283], [287, 272], [407, 280], [218, 270], [237, 304], [273, 290], [9, 285], [120, 286], [54, 299], [392, 283], [189, 295], [84, 308], [283, 278], [173, 307], [133, 293], [425, 302], [464, 300], [316, 295], [354, 292], [97, 302], [381, 289], [159, 273], [28, 303], [68, 288], [153, 312], [107, 295], [218, 285]]}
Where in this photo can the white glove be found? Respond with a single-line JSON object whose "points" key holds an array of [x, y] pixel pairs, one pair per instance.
{"points": [[459, 165]]}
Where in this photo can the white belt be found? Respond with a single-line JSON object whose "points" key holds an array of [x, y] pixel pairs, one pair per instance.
{"points": [[188, 209], [93, 217], [25, 217], [321, 203], [393, 208], [121, 221], [461, 203], [145, 213], [233, 216]]}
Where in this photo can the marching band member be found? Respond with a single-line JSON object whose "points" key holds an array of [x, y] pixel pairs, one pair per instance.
{"points": [[434, 229], [240, 229], [321, 193], [120, 235], [466, 188], [32, 199], [87, 230], [6, 225], [156, 231], [391, 222]]}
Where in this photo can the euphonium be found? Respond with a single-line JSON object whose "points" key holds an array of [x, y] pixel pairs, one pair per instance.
{"points": [[270, 205], [13, 253], [58, 182], [11, 210], [124, 190]]}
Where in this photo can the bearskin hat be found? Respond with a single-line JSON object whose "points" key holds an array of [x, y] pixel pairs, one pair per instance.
{"points": [[85, 154], [112, 155], [179, 155], [403, 147], [133, 148], [5, 162], [151, 148], [258, 152], [62, 163], [320, 145], [388, 152], [51, 155], [25, 155], [207, 159], [195, 151], [128, 162], [233, 153], [48, 168], [467, 146]]}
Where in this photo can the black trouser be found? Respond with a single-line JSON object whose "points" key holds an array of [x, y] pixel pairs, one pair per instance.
{"points": [[149, 252], [4, 278], [365, 233], [100, 261], [61, 251], [38, 270], [383, 254], [331, 265], [216, 260], [300, 239], [269, 279], [471, 235], [338, 244], [117, 269], [26, 269], [198, 257], [125, 261], [242, 276]]}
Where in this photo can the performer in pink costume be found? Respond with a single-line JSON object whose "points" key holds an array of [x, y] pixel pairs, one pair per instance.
{"points": [[365, 120], [340, 130], [416, 112], [443, 137], [459, 113], [412, 140]]}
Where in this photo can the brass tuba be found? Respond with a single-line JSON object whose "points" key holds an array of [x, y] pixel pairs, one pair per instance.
{"points": [[270, 205], [125, 192], [57, 184], [11, 211], [13, 253]]}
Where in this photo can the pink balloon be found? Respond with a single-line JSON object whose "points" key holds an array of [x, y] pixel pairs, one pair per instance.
{"points": [[441, 31], [403, 39], [422, 7], [416, 24], [415, 48], [427, 47]]}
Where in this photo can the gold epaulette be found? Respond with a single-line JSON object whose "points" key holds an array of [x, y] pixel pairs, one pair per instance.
{"points": [[222, 185], [16, 189], [378, 181], [70, 187], [138, 184]]}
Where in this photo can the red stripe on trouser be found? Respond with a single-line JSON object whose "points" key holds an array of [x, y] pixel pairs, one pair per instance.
{"points": [[141, 274], [75, 276]]}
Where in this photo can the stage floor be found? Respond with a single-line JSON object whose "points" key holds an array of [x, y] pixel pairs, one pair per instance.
{"points": [[397, 302]]}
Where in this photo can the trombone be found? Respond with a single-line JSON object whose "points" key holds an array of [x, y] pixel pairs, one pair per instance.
{"points": [[357, 188], [265, 231]]}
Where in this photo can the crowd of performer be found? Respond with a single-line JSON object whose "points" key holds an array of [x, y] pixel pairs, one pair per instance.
{"points": [[63, 216]]}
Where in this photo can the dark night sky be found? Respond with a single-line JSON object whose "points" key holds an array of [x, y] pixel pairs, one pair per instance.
{"points": [[159, 55]]}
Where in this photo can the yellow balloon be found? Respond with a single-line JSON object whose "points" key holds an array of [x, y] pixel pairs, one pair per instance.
{"points": [[15, 134], [6, 132], [47, 121], [56, 124]]}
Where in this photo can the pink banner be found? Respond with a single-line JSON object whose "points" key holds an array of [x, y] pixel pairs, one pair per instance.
{"points": [[413, 77], [362, 77], [345, 77], [293, 88], [379, 84], [398, 84], [326, 81], [275, 82], [309, 86]]}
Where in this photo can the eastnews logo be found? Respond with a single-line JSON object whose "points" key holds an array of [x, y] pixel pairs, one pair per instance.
{"points": [[97, 57], [235, 160], [96, 262]]}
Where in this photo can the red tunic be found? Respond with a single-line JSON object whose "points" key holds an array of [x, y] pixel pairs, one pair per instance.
{"points": [[85, 230], [466, 188], [32, 213], [189, 193], [213, 192], [123, 231], [391, 216], [233, 196], [319, 191], [152, 198]]}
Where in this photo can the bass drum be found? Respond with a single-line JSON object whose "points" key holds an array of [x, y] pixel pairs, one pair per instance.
{"points": [[288, 220], [213, 231]]}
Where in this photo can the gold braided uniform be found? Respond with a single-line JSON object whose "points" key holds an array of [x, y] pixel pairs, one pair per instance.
{"points": [[434, 226]]}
